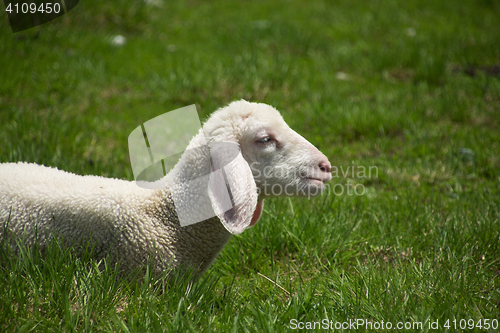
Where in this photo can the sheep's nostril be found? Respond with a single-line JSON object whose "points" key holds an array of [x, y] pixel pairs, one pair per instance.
{"points": [[325, 167]]}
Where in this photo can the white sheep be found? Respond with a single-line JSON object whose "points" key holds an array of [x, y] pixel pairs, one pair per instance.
{"points": [[130, 224]]}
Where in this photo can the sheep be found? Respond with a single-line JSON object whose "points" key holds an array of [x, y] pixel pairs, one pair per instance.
{"points": [[129, 224]]}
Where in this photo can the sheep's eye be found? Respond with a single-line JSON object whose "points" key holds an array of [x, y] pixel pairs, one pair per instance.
{"points": [[264, 140]]}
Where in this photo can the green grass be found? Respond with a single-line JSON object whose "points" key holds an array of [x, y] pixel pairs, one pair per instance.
{"points": [[411, 87]]}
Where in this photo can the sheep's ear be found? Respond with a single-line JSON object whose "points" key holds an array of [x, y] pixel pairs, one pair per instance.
{"points": [[231, 187]]}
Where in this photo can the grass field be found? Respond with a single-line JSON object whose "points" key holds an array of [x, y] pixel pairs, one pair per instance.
{"points": [[408, 88]]}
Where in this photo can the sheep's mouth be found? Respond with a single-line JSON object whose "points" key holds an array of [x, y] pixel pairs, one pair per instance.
{"points": [[317, 181], [312, 186], [316, 177]]}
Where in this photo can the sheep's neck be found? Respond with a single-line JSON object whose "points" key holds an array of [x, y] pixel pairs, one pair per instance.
{"points": [[199, 242]]}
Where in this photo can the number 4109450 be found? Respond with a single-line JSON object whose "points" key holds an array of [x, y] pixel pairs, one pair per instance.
{"points": [[25, 8], [471, 324]]}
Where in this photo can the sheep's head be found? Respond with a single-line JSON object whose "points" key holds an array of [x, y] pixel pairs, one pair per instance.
{"points": [[274, 161], [282, 162], [244, 153]]}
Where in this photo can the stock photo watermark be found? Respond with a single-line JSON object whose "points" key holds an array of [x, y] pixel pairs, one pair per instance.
{"points": [[350, 172], [358, 324]]}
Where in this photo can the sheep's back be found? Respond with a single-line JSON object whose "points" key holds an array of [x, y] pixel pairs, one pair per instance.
{"points": [[39, 202]]}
